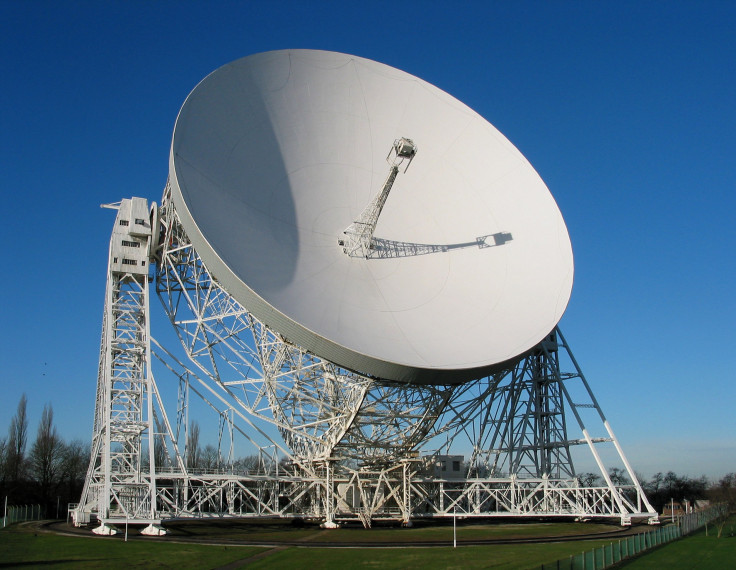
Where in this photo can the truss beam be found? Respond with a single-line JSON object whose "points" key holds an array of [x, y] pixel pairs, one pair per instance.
{"points": [[350, 447]]}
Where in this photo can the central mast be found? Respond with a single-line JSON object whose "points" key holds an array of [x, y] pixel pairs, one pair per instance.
{"points": [[358, 241]]}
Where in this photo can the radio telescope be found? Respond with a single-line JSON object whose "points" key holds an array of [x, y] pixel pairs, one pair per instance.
{"points": [[352, 256]]}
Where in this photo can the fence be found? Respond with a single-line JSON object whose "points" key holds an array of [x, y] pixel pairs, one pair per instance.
{"points": [[608, 555], [20, 513]]}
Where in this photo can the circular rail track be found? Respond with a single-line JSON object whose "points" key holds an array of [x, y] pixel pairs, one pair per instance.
{"points": [[224, 534]]}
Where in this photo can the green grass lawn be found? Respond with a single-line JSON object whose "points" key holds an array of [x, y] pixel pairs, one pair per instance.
{"points": [[29, 548], [694, 551], [502, 556], [279, 530]]}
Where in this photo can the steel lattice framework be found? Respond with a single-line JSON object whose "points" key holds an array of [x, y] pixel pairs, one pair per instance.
{"points": [[345, 446], [359, 240]]}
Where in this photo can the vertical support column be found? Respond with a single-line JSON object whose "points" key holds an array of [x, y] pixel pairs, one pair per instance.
{"points": [[105, 384], [148, 379], [121, 479], [329, 499], [406, 479]]}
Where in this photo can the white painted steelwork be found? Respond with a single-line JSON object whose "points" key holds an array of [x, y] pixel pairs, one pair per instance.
{"points": [[514, 420], [320, 409], [373, 466], [358, 240], [121, 478], [274, 155], [332, 443]]}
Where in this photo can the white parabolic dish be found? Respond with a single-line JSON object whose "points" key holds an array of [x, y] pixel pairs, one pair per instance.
{"points": [[274, 155]]}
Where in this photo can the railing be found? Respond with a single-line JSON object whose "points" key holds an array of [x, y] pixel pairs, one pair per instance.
{"points": [[20, 513], [608, 555]]}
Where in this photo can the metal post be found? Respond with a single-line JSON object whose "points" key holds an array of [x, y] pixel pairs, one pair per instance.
{"points": [[454, 527], [5, 513], [328, 503]]}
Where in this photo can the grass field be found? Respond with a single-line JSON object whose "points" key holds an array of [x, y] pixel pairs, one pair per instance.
{"points": [[280, 530], [25, 548], [695, 551], [32, 548], [502, 556], [28, 548]]}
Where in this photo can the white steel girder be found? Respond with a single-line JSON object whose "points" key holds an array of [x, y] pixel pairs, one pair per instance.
{"points": [[319, 408], [353, 447], [128, 432]]}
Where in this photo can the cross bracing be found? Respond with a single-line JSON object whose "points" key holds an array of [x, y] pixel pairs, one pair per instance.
{"points": [[332, 444]]}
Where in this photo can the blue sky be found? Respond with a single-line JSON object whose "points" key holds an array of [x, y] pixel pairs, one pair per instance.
{"points": [[624, 108]]}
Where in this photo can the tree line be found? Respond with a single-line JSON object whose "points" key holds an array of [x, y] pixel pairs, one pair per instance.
{"points": [[51, 472], [209, 457], [663, 488]]}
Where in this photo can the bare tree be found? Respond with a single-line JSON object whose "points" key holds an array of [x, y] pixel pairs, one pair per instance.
{"points": [[3, 459], [192, 448], [74, 466], [618, 476], [589, 479], [654, 486], [47, 455], [670, 483], [247, 464], [724, 492], [210, 457], [16, 446], [160, 457]]}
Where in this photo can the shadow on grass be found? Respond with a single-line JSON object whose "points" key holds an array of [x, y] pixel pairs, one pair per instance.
{"points": [[49, 562]]}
